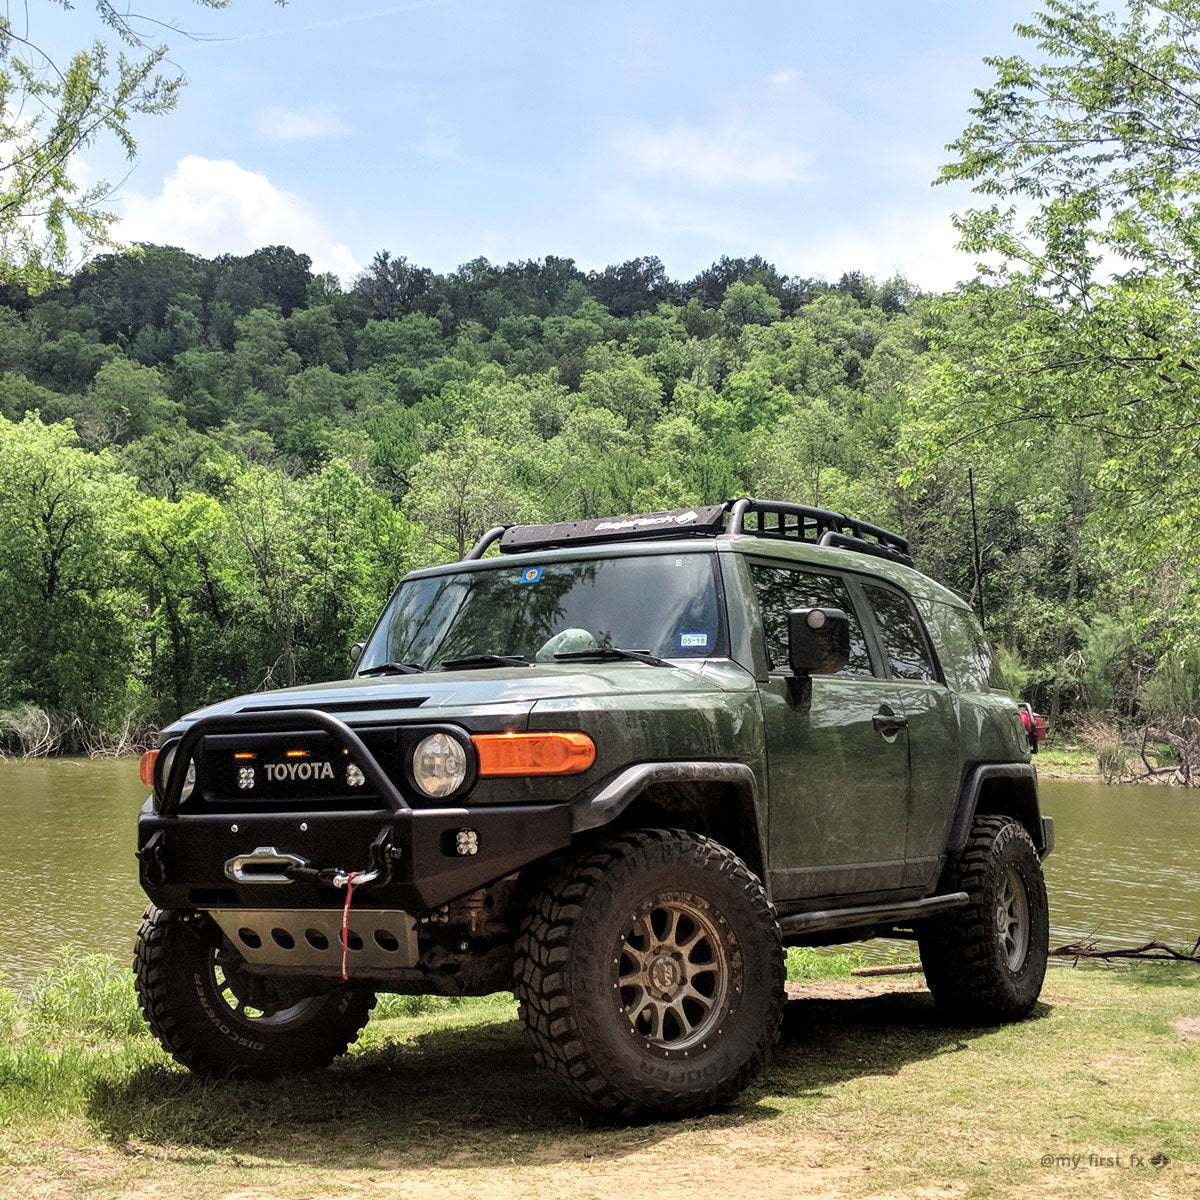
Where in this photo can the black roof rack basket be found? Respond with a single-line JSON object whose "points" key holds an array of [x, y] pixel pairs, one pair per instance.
{"points": [[773, 519], [783, 521]]}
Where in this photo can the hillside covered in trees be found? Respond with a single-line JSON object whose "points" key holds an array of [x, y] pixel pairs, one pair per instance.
{"points": [[212, 472]]}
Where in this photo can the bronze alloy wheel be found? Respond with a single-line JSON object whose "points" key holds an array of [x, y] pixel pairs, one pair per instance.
{"points": [[985, 962], [218, 1019], [1012, 918], [246, 999], [672, 972], [649, 972]]}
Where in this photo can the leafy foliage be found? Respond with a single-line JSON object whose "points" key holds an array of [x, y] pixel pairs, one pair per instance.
{"points": [[213, 472], [51, 111]]}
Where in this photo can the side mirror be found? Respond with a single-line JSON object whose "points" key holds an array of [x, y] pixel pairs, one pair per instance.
{"points": [[356, 651], [818, 640]]}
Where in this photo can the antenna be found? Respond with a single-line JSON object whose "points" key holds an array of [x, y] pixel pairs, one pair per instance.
{"points": [[978, 554]]}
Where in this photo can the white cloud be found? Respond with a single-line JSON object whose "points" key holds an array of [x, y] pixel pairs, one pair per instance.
{"points": [[211, 206], [783, 78], [290, 125], [726, 156], [918, 244]]}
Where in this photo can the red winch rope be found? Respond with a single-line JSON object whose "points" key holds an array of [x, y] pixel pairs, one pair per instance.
{"points": [[346, 921]]}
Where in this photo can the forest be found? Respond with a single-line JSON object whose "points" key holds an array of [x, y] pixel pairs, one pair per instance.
{"points": [[214, 471]]}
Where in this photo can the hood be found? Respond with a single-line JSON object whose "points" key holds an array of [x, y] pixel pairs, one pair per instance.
{"points": [[516, 689]]}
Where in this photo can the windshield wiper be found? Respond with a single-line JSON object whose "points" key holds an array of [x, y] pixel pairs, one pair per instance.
{"points": [[484, 660], [393, 668], [613, 653]]}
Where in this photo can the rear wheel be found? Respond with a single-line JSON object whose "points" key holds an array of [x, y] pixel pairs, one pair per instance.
{"points": [[218, 1019], [650, 974], [985, 963]]}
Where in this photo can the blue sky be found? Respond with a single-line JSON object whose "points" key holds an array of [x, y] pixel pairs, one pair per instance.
{"points": [[444, 129]]}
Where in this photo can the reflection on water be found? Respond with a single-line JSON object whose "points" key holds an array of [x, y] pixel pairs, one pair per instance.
{"points": [[1127, 865], [67, 871], [1126, 868]]}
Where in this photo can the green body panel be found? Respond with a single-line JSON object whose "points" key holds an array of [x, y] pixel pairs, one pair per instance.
{"points": [[838, 791]]}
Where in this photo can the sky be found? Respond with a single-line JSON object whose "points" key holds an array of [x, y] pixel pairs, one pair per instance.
{"points": [[806, 131]]}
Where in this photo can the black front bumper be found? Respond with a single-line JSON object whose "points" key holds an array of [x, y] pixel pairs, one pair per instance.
{"points": [[185, 857]]}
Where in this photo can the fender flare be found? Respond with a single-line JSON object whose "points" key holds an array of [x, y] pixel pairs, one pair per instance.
{"points": [[605, 802], [1022, 790]]}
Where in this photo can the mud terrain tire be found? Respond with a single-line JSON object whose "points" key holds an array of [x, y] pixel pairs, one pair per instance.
{"points": [[217, 1021], [649, 972], [985, 963]]}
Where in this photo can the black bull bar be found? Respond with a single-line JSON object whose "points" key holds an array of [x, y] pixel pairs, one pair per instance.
{"points": [[414, 852]]}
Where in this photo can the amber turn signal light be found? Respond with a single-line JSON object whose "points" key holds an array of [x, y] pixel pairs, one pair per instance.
{"points": [[146, 767], [533, 753]]}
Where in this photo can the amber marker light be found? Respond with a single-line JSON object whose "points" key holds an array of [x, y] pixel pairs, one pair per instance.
{"points": [[146, 767], [295, 754], [245, 756], [533, 753]]}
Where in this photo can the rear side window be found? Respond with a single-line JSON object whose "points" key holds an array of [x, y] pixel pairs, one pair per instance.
{"points": [[903, 638], [963, 648], [780, 589]]}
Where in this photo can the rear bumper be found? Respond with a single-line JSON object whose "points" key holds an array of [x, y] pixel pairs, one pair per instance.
{"points": [[1047, 835]]}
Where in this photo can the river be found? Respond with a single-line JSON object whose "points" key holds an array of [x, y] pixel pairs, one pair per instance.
{"points": [[1126, 868]]}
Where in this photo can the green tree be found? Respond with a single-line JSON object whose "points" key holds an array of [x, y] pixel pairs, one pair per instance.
{"points": [[49, 112], [127, 401], [69, 619], [748, 304], [463, 489], [172, 546], [1087, 313]]}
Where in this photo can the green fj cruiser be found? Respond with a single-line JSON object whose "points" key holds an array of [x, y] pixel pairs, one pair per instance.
{"points": [[615, 767]]}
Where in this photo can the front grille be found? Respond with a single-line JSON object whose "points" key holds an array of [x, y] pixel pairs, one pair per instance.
{"points": [[312, 771]]}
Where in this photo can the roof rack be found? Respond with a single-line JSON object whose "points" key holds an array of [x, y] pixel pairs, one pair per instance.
{"points": [[777, 520]]}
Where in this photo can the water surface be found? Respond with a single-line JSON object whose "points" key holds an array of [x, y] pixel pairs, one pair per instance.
{"points": [[1126, 869]]}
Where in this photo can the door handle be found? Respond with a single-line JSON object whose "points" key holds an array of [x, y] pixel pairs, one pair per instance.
{"points": [[889, 724]]}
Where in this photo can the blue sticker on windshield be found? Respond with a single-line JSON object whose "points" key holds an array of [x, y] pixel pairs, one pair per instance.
{"points": [[531, 575], [693, 641]]}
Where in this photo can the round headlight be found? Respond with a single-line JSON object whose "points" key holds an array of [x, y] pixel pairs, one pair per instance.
{"points": [[439, 764], [165, 762]]}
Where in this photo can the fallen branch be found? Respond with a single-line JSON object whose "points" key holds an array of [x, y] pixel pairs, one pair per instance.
{"points": [[1150, 951], [891, 969]]}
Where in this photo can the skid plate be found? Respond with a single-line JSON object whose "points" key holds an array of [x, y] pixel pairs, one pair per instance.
{"points": [[312, 937]]}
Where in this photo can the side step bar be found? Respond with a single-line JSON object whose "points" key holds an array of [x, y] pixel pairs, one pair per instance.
{"points": [[872, 914]]}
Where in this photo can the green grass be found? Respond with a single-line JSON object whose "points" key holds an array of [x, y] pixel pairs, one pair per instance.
{"points": [[807, 964], [868, 1094], [1065, 759]]}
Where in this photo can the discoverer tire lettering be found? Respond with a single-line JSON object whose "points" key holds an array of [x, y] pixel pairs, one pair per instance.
{"points": [[187, 1001]]}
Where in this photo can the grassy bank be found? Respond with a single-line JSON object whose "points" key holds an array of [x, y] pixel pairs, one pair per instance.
{"points": [[868, 1094], [1064, 760]]}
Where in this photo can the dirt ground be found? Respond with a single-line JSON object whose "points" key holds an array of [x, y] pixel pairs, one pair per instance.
{"points": [[868, 1097]]}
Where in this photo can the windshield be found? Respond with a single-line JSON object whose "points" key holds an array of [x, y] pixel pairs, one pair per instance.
{"points": [[666, 604]]}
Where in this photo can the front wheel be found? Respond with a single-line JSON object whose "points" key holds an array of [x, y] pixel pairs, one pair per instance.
{"points": [[218, 1019], [650, 974], [985, 963]]}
